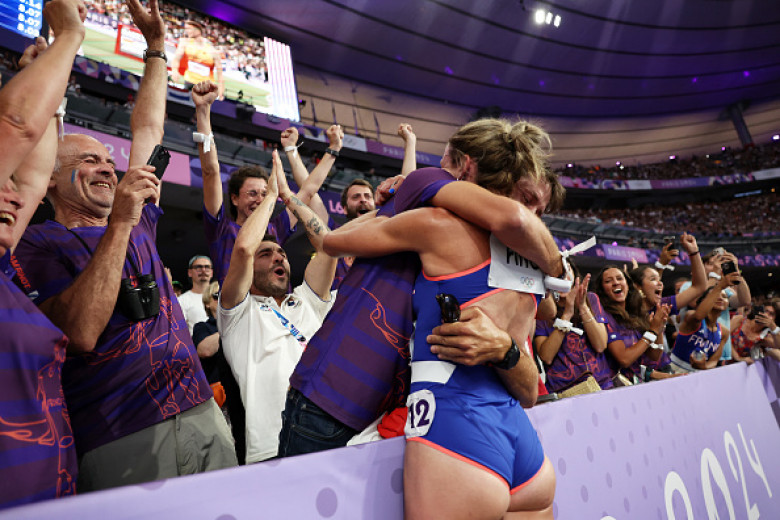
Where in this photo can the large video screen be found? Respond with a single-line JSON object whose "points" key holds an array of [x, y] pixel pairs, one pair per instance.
{"points": [[256, 70], [22, 16]]}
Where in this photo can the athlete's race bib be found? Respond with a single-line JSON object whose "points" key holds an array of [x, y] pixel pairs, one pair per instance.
{"points": [[198, 68], [422, 408], [508, 270]]}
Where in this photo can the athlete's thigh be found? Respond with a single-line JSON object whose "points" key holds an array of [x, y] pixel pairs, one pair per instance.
{"points": [[440, 485]]}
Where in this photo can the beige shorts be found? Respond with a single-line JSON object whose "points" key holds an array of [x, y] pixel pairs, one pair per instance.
{"points": [[194, 441]]}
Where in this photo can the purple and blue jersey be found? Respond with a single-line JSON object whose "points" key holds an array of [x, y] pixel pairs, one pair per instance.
{"points": [[221, 232], [37, 455], [356, 365], [140, 372], [576, 356]]}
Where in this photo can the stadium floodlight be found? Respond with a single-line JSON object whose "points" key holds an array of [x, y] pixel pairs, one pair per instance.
{"points": [[539, 16]]}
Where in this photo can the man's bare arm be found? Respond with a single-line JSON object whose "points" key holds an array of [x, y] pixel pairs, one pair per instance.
{"points": [[512, 223], [27, 102], [203, 95], [148, 117]]}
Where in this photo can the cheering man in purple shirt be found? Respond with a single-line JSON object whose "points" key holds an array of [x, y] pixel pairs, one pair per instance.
{"points": [[140, 405], [37, 457]]}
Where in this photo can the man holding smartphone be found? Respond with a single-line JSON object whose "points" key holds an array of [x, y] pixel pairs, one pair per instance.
{"points": [[140, 405]]}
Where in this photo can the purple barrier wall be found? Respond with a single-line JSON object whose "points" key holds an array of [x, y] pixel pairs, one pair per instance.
{"points": [[686, 448]]}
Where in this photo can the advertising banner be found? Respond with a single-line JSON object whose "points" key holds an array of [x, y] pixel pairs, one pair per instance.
{"points": [[694, 447]]}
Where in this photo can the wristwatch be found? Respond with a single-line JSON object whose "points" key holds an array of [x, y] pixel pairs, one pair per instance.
{"points": [[510, 359], [155, 54]]}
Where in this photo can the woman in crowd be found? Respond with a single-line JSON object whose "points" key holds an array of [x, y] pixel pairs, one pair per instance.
{"points": [[472, 452], [572, 346], [630, 336], [701, 338], [756, 334], [647, 297]]}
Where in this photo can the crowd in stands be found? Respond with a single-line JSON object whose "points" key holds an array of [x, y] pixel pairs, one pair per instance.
{"points": [[737, 217], [726, 162], [115, 376]]}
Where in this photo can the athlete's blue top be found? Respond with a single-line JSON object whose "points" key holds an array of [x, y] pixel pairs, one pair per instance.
{"points": [[468, 287]]}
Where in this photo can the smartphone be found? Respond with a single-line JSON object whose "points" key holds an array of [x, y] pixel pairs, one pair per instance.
{"points": [[159, 159], [755, 311], [671, 239], [728, 268], [450, 308]]}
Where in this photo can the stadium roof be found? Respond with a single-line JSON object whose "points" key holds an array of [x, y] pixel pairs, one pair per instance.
{"points": [[605, 58]]}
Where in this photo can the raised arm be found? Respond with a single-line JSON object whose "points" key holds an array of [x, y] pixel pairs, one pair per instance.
{"points": [[32, 176], [692, 319], [322, 268], [513, 224], [315, 228], [148, 117], [742, 296], [240, 273], [698, 274], [388, 187], [203, 95], [406, 133], [29, 100], [309, 185]]}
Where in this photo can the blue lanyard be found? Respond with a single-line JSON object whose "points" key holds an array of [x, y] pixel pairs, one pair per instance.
{"points": [[288, 325]]}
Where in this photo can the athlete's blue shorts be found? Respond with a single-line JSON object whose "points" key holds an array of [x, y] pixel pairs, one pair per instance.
{"points": [[495, 435]]}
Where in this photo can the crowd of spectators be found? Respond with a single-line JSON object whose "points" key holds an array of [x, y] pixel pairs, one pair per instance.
{"points": [[734, 218], [728, 161], [104, 383]]}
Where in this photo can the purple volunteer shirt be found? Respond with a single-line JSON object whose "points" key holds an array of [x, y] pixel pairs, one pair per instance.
{"points": [[37, 455], [617, 332], [221, 232], [356, 366], [576, 355], [140, 373]]}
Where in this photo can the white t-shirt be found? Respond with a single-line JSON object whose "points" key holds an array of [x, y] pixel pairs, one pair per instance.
{"points": [[262, 352], [193, 309]]}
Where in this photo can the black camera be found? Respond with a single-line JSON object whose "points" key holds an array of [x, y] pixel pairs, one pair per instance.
{"points": [[728, 268], [671, 239], [141, 301], [755, 311]]}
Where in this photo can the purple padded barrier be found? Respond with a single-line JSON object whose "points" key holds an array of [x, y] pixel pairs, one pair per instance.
{"points": [[629, 453], [640, 452], [768, 371], [356, 482]]}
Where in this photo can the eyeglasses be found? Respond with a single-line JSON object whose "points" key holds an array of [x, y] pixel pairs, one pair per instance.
{"points": [[254, 194], [203, 267]]}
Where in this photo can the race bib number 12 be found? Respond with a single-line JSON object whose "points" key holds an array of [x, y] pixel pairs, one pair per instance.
{"points": [[422, 408]]}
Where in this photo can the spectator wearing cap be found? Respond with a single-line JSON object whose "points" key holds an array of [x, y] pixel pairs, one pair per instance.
{"points": [[199, 269]]}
